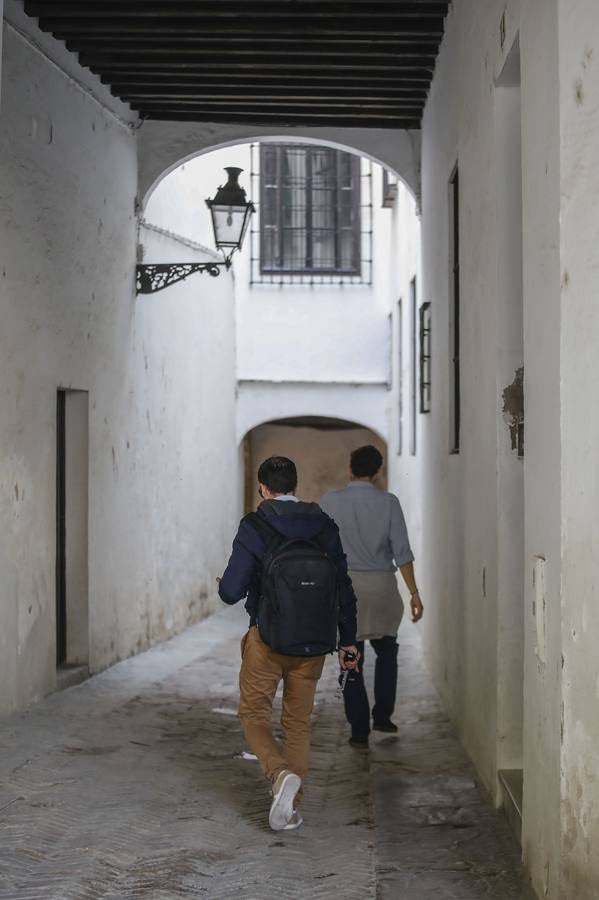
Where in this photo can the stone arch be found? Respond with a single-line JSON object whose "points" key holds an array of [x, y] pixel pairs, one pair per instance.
{"points": [[316, 421], [163, 146], [362, 405]]}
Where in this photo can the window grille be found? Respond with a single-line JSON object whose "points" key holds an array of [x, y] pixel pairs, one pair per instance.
{"points": [[425, 358], [454, 310], [314, 222]]}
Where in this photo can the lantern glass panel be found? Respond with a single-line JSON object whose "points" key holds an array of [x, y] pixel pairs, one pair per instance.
{"points": [[229, 225]]}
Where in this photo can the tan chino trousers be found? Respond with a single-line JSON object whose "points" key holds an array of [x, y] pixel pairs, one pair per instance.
{"points": [[261, 671]]}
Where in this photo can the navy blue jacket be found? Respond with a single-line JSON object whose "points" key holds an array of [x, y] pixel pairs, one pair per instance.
{"points": [[293, 520]]}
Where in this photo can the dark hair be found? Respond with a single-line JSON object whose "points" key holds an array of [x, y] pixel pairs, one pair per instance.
{"points": [[365, 461], [278, 474]]}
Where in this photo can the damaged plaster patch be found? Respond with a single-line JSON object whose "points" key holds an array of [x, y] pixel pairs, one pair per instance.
{"points": [[513, 407]]}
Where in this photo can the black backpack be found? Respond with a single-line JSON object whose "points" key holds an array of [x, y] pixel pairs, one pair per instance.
{"points": [[298, 608]]}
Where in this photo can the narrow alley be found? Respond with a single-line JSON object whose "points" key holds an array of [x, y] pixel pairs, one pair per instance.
{"points": [[134, 784], [241, 229]]}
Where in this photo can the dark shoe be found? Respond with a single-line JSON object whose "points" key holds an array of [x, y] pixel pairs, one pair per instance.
{"points": [[359, 744], [387, 726]]}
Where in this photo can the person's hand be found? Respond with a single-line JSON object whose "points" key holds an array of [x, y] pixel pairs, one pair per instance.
{"points": [[416, 607], [349, 663]]}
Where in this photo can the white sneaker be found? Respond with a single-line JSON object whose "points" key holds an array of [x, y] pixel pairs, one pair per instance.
{"points": [[294, 822], [283, 794]]}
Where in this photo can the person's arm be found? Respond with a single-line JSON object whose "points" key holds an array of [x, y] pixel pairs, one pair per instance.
{"points": [[404, 558], [407, 573], [241, 568], [347, 602]]}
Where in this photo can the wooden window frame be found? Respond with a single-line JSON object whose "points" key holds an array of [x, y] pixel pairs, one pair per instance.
{"points": [[310, 150]]}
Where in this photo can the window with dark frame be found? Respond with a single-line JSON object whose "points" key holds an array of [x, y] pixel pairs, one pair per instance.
{"points": [[309, 210], [454, 310], [425, 358], [414, 364]]}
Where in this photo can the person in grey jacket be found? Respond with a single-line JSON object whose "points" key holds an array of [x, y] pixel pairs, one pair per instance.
{"points": [[375, 539]]}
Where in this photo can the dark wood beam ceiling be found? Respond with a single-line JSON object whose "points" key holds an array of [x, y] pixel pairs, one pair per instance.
{"points": [[283, 62]]}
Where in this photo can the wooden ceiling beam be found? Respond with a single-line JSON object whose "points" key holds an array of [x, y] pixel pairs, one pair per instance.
{"points": [[418, 66], [257, 104], [272, 92], [302, 79], [225, 9], [283, 120], [419, 55], [283, 62], [224, 43]]}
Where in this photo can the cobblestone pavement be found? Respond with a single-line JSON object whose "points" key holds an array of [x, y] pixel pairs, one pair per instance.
{"points": [[133, 785]]}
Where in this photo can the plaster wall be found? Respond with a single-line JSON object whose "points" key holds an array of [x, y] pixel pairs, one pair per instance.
{"points": [[463, 504], [579, 111], [150, 365]]}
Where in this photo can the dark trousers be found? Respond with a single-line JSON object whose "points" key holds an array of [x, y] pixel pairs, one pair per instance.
{"points": [[357, 708]]}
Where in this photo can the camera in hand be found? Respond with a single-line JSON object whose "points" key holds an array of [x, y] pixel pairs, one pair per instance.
{"points": [[346, 675]]}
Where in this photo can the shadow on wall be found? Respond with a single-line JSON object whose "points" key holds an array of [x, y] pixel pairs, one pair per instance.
{"points": [[320, 448]]}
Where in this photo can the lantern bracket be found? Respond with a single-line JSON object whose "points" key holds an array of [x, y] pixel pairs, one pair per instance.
{"points": [[153, 277]]}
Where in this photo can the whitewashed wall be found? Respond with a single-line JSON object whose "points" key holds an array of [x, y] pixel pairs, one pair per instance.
{"points": [[151, 365], [579, 116], [465, 519]]}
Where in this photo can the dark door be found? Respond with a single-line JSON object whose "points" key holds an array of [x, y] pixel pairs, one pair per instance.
{"points": [[61, 582]]}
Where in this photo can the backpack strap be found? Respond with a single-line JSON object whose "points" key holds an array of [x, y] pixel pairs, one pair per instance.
{"points": [[271, 537]]}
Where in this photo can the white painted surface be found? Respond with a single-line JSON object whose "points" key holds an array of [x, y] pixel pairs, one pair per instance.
{"points": [[579, 111], [258, 403], [510, 468], [467, 521], [159, 522]]}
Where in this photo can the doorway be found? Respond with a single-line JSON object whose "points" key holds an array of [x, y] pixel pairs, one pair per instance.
{"points": [[510, 440], [320, 447], [72, 594]]}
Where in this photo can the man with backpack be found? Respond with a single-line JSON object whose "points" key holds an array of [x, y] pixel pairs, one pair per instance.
{"points": [[375, 537], [288, 562]]}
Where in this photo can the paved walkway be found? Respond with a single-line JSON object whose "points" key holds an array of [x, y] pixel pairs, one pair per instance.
{"points": [[134, 785]]}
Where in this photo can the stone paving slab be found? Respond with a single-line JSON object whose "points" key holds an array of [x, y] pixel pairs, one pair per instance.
{"points": [[132, 785], [437, 835]]}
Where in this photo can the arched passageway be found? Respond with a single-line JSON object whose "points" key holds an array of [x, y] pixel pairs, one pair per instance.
{"points": [[319, 446]]}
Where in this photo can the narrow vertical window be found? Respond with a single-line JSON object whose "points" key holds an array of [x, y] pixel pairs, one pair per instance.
{"points": [[400, 377], [414, 364], [454, 311], [425, 358]]}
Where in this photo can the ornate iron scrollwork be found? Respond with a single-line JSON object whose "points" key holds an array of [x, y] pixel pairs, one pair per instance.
{"points": [[156, 277]]}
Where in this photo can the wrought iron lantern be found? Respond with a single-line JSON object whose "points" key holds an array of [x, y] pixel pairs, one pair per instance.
{"points": [[230, 213]]}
